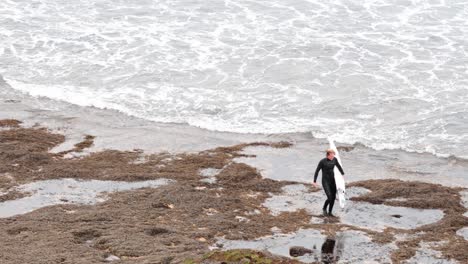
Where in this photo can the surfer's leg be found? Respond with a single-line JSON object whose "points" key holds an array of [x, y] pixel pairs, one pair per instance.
{"points": [[332, 197], [325, 207], [330, 208], [328, 191]]}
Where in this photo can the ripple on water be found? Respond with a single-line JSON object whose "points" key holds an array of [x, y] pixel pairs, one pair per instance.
{"points": [[246, 66]]}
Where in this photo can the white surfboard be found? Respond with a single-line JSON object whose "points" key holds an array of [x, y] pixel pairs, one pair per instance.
{"points": [[339, 180]]}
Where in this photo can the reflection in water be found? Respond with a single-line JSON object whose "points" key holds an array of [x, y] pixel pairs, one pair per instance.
{"points": [[310, 246], [332, 249], [376, 217], [327, 251]]}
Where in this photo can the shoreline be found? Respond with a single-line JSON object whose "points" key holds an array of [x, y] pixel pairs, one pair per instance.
{"points": [[44, 103], [115, 130], [182, 220], [188, 217]]}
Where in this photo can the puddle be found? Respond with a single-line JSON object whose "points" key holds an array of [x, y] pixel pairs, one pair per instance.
{"points": [[357, 247], [68, 191], [464, 198], [209, 174], [399, 199], [371, 216], [209, 180], [279, 244], [74, 155], [377, 217], [355, 192], [346, 247], [463, 233], [280, 164], [427, 255], [293, 198]]}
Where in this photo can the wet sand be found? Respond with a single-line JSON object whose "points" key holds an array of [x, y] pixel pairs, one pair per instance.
{"points": [[223, 190]]}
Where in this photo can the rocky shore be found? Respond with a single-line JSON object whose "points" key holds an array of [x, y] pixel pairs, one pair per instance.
{"points": [[185, 219]]}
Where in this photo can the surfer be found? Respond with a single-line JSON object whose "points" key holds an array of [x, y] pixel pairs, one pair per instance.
{"points": [[328, 179]]}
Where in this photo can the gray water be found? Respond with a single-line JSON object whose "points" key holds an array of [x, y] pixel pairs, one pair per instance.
{"points": [[209, 174], [391, 75], [346, 247], [68, 191], [425, 254], [299, 162], [463, 233], [375, 217], [464, 197]]}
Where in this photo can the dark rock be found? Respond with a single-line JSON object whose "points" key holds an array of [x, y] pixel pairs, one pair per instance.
{"points": [[299, 251]]}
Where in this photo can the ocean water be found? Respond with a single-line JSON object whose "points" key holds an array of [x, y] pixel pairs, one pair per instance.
{"points": [[386, 74]]}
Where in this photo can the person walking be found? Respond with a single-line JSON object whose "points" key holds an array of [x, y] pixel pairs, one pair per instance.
{"points": [[328, 179]]}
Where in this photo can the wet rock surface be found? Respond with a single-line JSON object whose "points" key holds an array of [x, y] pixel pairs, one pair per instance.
{"points": [[463, 233], [464, 201], [422, 196], [280, 244], [182, 220], [209, 174], [361, 214], [170, 223], [68, 191], [299, 162], [8, 123], [297, 251], [310, 246], [426, 254], [379, 217]]}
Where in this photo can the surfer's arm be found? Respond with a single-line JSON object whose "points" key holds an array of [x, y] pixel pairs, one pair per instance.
{"points": [[339, 167], [319, 167]]}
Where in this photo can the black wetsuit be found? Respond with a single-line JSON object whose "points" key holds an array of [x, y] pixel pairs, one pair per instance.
{"points": [[328, 180]]}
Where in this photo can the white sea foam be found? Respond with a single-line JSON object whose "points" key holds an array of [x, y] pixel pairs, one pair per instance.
{"points": [[385, 75]]}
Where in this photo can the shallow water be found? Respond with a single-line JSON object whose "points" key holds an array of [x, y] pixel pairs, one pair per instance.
{"points": [[361, 214], [114, 130], [463, 233], [69, 191], [279, 244], [293, 198], [299, 162], [378, 217], [427, 255], [464, 198], [345, 247], [209, 174]]}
